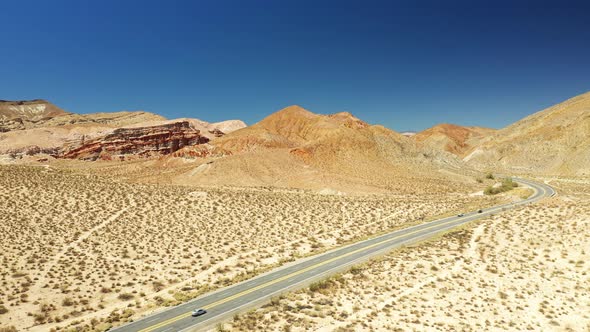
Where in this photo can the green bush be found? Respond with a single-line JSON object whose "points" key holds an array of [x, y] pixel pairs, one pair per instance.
{"points": [[507, 184], [490, 176]]}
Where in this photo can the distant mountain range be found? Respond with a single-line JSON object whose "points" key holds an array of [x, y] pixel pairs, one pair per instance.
{"points": [[295, 147]]}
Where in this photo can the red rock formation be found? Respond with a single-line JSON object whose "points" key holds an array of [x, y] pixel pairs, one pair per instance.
{"points": [[141, 142]]}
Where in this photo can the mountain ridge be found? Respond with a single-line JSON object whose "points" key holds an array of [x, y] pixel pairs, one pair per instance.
{"points": [[554, 141]]}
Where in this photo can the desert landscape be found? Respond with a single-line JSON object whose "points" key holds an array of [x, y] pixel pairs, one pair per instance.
{"points": [[84, 251], [294, 166], [125, 225], [514, 271]]}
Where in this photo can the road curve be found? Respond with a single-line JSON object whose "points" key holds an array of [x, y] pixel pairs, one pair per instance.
{"points": [[224, 303]]}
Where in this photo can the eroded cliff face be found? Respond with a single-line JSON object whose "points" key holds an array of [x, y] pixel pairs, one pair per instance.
{"points": [[124, 143]]}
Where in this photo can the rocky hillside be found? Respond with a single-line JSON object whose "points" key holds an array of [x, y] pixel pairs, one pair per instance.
{"points": [[112, 119], [553, 141], [38, 127], [314, 136], [297, 148], [38, 113], [136, 141], [452, 138], [21, 114]]}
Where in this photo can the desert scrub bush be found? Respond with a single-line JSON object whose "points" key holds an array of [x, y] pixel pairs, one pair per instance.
{"points": [[490, 176], [157, 286], [125, 296], [507, 184], [8, 329], [3, 310], [356, 270], [67, 302], [322, 286], [318, 285]]}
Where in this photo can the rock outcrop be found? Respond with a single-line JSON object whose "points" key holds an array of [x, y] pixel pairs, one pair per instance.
{"points": [[123, 143], [227, 126]]}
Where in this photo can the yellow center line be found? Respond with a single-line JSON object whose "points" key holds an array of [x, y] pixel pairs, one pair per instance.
{"points": [[272, 282]]}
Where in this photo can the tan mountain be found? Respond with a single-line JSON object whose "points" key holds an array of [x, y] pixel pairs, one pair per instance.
{"points": [[29, 110], [297, 148], [452, 138], [553, 141], [314, 137], [28, 114], [23, 114], [113, 119]]}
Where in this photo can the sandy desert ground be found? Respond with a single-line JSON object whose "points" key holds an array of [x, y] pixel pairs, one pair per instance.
{"points": [[525, 269], [85, 251]]}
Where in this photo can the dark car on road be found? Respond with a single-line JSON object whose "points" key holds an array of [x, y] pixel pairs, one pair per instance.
{"points": [[460, 215], [479, 211], [198, 312]]}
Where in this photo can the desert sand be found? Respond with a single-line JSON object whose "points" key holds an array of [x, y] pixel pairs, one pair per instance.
{"points": [[525, 269], [88, 251]]}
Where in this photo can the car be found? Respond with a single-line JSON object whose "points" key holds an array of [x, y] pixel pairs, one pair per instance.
{"points": [[460, 215], [198, 312], [480, 211]]}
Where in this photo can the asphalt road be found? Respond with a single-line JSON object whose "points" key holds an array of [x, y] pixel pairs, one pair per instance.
{"points": [[224, 303]]}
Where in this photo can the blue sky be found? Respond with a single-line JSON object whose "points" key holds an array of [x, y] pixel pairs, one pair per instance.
{"points": [[404, 64]]}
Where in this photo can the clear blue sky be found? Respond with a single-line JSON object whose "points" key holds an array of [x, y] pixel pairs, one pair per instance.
{"points": [[403, 64]]}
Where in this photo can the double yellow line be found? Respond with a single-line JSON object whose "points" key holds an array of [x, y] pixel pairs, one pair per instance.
{"points": [[272, 282]]}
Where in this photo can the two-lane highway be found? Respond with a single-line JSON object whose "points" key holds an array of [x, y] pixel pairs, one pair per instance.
{"points": [[222, 304]]}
